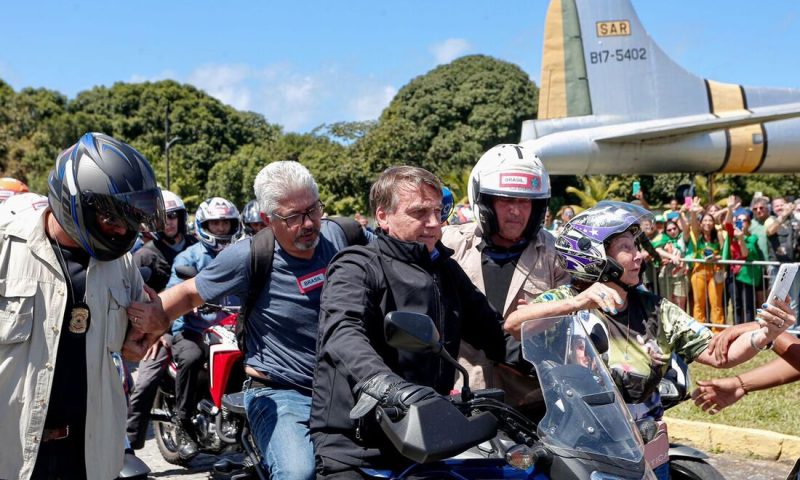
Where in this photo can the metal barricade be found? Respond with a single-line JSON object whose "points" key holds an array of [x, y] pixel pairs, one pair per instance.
{"points": [[738, 300]]}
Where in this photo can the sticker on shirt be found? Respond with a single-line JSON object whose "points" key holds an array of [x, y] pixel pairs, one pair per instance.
{"points": [[311, 281]]}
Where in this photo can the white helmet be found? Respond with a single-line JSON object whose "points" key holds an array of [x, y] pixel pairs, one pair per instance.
{"points": [[508, 170], [173, 203], [216, 208]]}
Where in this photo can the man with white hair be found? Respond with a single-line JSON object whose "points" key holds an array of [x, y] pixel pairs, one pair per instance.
{"points": [[282, 323]]}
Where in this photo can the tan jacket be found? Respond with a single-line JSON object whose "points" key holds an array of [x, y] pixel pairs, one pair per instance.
{"points": [[33, 299], [537, 271]]}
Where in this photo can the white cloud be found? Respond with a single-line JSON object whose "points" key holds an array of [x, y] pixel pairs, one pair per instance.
{"points": [[290, 99], [370, 103], [449, 50], [298, 101], [227, 83]]}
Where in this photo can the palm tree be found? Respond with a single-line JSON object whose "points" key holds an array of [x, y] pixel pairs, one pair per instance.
{"points": [[595, 188]]}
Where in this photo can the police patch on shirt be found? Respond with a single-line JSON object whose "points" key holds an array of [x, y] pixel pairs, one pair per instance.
{"points": [[311, 281]]}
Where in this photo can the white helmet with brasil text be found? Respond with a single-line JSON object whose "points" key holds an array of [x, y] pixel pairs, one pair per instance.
{"points": [[508, 170]]}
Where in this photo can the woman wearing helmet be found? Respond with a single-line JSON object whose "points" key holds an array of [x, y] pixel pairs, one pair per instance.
{"points": [[217, 223], [600, 248]]}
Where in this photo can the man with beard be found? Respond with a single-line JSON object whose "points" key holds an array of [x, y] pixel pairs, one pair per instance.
{"points": [[282, 324], [155, 263]]}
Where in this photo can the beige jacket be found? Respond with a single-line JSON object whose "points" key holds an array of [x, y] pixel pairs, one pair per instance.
{"points": [[33, 299], [537, 271]]}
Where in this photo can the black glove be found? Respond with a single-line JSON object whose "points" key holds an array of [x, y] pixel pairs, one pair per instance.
{"points": [[387, 390]]}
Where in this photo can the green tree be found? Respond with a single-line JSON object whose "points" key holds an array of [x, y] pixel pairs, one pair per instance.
{"points": [[444, 120], [594, 189]]}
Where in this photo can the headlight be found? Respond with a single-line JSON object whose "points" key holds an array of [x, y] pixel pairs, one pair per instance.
{"points": [[521, 457], [524, 457]]}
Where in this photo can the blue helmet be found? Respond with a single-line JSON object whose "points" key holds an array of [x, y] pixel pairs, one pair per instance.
{"points": [[447, 203], [101, 177]]}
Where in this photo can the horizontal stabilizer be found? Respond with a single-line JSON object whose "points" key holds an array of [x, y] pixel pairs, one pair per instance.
{"points": [[671, 127]]}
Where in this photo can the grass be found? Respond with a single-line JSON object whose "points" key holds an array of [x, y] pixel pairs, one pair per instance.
{"points": [[775, 409]]}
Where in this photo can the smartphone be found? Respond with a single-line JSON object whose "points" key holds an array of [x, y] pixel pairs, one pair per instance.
{"points": [[636, 188], [783, 281], [687, 200]]}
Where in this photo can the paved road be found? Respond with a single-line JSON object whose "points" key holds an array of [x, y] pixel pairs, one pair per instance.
{"points": [[733, 467]]}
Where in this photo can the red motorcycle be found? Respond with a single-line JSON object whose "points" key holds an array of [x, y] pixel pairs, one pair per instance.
{"points": [[220, 425]]}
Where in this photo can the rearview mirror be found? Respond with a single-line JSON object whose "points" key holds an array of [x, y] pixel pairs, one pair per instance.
{"points": [[411, 332]]}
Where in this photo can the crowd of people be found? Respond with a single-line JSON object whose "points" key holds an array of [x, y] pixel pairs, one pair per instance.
{"points": [[315, 357], [692, 244]]}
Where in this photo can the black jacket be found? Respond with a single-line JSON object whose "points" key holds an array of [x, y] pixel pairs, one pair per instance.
{"points": [[157, 258], [362, 285]]}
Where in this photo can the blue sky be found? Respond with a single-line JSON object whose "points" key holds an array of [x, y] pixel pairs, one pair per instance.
{"points": [[301, 64]]}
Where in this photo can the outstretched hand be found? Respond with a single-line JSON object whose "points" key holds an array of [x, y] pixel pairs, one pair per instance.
{"points": [[714, 395]]}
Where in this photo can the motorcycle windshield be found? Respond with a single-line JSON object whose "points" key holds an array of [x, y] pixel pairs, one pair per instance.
{"points": [[585, 412]]}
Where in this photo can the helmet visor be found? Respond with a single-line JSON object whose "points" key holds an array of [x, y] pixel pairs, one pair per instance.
{"points": [[138, 211]]}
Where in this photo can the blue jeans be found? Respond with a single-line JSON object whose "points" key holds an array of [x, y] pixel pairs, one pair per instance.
{"points": [[279, 423]]}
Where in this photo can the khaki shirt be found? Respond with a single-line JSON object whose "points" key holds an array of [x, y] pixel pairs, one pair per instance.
{"points": [[33, 296], [537, 271]]}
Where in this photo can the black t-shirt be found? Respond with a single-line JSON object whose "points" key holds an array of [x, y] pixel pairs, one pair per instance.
{"points": [[67, 405], [498, 265]]}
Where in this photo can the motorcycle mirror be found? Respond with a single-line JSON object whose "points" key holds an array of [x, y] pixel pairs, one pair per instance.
{"points": [[411, 332], [185, 272], [599, 339]]}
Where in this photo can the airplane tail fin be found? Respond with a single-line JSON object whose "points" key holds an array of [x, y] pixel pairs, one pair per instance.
{"points": [[599, 60], [601, 67]]}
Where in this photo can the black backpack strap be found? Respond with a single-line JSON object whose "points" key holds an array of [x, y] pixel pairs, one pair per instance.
{"points": [[262, 247], [352, 230]]}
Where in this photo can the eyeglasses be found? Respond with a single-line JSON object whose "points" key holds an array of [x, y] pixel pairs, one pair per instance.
{"points": [[313, 213], [759, 207]]}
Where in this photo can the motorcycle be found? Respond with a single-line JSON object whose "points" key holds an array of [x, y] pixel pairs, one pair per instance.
{"points": [[218, 428], [586, 432]]}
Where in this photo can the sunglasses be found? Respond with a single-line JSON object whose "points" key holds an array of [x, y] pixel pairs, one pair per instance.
{"points": [[172, 215]]}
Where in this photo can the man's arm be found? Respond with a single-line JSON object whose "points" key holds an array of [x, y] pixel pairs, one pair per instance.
{"points": [[714, 395], [175, 301], [347, 305]]}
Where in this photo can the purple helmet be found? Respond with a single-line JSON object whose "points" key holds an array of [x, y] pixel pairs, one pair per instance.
{"points": [[582, 243]]}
